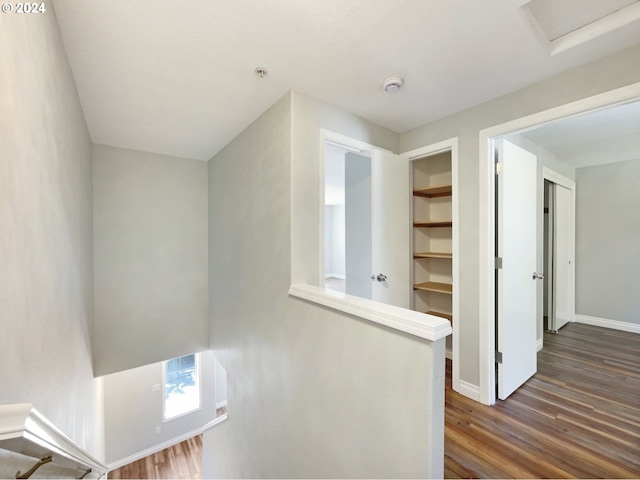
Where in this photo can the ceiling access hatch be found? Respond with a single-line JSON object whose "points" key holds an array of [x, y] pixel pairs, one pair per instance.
{"points": [[561, 25]]}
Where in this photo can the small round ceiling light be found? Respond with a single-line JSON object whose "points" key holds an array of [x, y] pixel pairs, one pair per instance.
{"points": [[261, 72], [392, 84]]}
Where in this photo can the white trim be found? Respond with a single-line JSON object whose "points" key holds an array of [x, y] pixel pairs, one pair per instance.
{"points": [[590, 31], [351, 144], [340, 145], [169, 443], [539, 344], [25, 430], [448, 354], [469, 390], [607, 323], [602, 26], [531, 20], [221, 403], [451, 145], [486, 336], [334, 275], [415, 323], [338, 139], [555, 177], [433, 149]]}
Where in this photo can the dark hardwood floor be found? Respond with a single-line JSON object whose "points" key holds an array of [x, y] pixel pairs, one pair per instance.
{"points": [[579, 416]]}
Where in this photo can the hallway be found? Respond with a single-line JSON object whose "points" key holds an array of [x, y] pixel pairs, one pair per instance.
{"points": [[579, 416]]}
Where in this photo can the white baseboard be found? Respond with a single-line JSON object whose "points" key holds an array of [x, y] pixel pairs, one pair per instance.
{"points": [[539, 344], [220, 404], [606, 323], [335, 275], [448, 354], [156, 448], [468, 390]]}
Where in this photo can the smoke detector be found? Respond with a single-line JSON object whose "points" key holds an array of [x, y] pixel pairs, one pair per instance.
{"points": [[392, 84]]}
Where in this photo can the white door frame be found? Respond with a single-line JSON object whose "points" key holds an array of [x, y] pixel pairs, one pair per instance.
{"points": [[558, 179], [451, 145], [356, 146], [487, 221]]}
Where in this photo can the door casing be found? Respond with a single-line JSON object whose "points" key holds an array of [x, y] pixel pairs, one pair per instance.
{"points": [[486, 337], [399, 296], [449, 145]]}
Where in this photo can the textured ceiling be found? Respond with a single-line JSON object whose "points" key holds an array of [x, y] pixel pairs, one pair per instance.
{"points": [[178, 77]]}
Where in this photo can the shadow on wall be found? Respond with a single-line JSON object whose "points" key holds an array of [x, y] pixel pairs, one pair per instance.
{"points": [[221, 389]]}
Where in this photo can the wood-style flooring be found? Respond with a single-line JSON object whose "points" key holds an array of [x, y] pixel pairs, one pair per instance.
{"points": [[183, 461], [579, 416]]}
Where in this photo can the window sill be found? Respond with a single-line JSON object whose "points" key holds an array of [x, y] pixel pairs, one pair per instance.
{"points": [[415, 323], [180, 415]]}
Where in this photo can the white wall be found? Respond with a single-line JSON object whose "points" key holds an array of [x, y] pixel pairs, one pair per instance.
{"points": [[133, 409], [150, 257], [358, 225], [46, 274], [334, 254], [312, 392], [221, 385], [603, 75], [310, 115], [608, 241]]}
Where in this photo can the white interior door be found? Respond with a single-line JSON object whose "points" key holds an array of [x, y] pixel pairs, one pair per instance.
{"points": [[562, 256], [516, 282], [390, 201]]}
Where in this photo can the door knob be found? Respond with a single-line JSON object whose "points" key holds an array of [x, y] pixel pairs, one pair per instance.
{"points": [[538, 276], [381, 277]]}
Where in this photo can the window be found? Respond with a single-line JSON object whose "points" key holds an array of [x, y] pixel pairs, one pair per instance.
{"points": [[181, 386]]}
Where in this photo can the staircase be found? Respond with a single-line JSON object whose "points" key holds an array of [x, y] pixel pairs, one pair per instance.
{"points": [[32, 447]]}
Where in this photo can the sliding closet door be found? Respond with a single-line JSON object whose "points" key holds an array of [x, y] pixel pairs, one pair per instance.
{"points": [[562, 256]]}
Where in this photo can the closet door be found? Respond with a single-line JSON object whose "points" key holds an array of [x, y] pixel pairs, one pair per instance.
{"points": [[562, 256]]}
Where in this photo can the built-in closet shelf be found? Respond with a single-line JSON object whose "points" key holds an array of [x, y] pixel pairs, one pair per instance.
{"points": [[433, 224], [430, 192], [432, 255], [440, 314], [435, 287]]}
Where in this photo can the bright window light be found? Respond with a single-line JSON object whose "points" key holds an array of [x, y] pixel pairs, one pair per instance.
{"points": [[181, 386]]}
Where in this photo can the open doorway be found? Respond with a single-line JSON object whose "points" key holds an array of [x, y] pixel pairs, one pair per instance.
{"points": [[347, 220], [364, 221], [558, 254], [488, 331]]}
